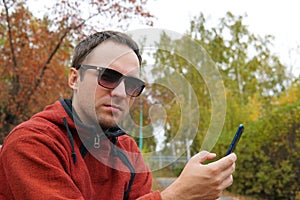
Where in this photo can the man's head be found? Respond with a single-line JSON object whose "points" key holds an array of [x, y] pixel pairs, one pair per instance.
{"points": [[86, 46], [104, 77]]}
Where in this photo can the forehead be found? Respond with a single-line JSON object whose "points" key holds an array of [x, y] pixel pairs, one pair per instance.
{"points": [[110, 54]]}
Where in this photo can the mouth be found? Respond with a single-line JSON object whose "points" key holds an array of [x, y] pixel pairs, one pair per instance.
{"points": [[113, 108]]}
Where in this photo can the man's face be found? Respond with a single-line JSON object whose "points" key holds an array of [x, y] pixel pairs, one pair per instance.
{"points": [[92, 101]]}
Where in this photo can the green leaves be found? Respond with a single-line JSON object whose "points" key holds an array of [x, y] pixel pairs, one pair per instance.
{"points": [[268, 164], [257, 95]]}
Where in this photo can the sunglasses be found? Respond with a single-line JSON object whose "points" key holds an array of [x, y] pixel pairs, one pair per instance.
{"points": [[110, 79]]}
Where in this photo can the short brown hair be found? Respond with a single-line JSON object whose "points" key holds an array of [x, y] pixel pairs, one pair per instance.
{"points": [[85, 46]]}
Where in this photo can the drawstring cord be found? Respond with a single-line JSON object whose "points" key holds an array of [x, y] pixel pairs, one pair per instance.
{"points": [[123, 157], [114, 132], [71, 139]]}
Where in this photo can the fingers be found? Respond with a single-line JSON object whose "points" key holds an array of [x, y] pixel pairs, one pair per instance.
{"points": [[203, 156], [224, 162], [223, 170], [229, 170], [227, 182], [203, 181]]}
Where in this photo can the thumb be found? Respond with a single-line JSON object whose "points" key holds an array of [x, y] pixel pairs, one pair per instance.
{"points": [[202, 156]]}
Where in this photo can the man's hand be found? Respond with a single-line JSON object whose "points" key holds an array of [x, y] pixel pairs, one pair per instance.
{"points": [[202, 181]]}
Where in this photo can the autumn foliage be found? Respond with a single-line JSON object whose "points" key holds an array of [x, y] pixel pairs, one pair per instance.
{"points": [[35, 52]]}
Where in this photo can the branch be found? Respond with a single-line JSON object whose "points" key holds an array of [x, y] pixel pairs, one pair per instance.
{"points": [[45, 66], [15, 77], [10, 35]]}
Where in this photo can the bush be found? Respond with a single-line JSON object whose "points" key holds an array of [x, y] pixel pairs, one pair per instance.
{"points": [[177, 170], [268, 156]]}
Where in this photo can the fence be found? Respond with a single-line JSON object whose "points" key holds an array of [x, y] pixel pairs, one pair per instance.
{"points": [[160, 161]]}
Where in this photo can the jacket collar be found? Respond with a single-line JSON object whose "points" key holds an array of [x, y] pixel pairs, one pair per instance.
{"points": [[88, 131]]}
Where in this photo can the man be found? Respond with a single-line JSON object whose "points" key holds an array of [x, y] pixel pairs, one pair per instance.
{"points": [[75, 150]]}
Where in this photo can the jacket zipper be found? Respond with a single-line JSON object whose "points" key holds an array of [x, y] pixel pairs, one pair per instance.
{"points": [[97, 141]]}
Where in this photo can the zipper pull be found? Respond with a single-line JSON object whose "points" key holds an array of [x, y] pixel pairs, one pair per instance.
{"points": [[97, 141]]}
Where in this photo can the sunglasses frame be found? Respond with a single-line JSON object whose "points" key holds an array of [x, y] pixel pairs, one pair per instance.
{"points": [[102, 69]]}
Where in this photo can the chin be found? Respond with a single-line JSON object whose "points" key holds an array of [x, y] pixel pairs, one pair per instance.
{"points": [[106, 124]]}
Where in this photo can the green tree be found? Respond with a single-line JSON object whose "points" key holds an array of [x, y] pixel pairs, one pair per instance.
{"points": [[249, 69], [269, 155], [182, 90], [252, 75]]}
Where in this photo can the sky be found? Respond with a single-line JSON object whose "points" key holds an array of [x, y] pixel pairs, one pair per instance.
{"points": [[263, 17]]}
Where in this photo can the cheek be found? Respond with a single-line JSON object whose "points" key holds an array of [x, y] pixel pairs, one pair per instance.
{"points": [[88, 86], [88, 91], [87, 95], [99, 93], [131, 101]]}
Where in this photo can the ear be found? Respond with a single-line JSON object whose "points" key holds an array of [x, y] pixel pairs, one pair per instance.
{"points": [[73, 78]]}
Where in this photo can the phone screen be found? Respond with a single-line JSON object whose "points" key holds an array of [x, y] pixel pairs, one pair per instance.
{"points": [[235, 140]]}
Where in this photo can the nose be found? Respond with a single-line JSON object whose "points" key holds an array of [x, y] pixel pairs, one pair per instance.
{"points": [[119, 91]]}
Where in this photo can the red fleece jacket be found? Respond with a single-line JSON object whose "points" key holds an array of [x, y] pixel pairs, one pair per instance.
{"points": [[36, 162]]}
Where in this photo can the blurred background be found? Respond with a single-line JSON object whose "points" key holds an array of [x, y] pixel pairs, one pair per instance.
{"points": [[254, 45]]}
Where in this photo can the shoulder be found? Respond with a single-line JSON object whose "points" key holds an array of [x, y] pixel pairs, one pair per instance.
{"points": [[35, 129], [40, 131], [30, 136]]}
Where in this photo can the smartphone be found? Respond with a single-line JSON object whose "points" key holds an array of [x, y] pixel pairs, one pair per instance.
{"points": [[235, 140]]}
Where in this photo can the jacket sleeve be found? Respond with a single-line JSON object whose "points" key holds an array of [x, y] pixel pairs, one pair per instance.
{"points": [[34, 167]]}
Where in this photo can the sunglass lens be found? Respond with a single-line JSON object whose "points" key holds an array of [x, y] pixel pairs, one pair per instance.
{"points": [[109, 78], [134, 86]]}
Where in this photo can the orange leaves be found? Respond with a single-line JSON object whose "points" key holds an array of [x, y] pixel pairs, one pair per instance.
{"points": [[27, 44], [35, 53]]}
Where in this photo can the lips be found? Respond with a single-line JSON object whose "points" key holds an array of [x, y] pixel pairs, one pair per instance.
{"points": [[116, 107], [113, 107]]}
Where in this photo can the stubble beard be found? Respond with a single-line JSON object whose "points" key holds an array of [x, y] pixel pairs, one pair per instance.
{"points": [[108, 120]]}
